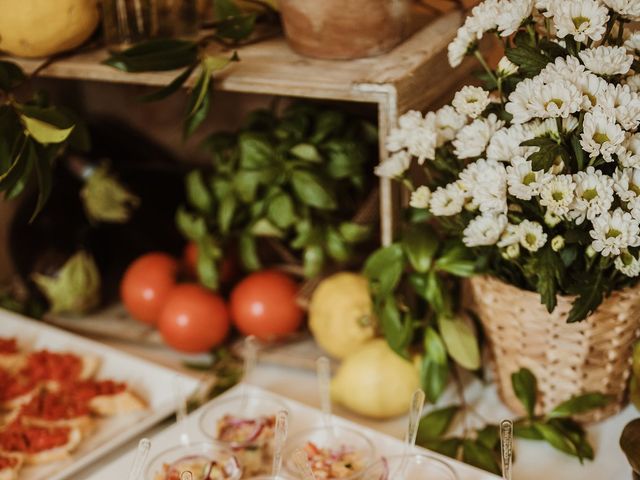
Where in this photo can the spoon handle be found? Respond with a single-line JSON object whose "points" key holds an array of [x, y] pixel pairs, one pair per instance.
{"points": [[301, 461], [141, 457], [250, 356], [280, 436], [324, 387], [181, 409], [506, 447], [417, 403]]}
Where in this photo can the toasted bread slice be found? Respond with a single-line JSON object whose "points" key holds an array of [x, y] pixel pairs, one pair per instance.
{"points": [[57, 453], [12, 362], [119, 403], [10, 465], [84, 423]]}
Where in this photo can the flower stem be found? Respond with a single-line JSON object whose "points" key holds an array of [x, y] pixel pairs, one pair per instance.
{"points": [[620, 32], [484, 64], [610, 25]]}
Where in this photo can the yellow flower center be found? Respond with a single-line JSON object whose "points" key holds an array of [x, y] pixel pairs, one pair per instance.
{"points": [[613, 233], [557, 196], [529, 178], [590, 194], [600, 138], [580, 21], [634, 188], [555, 101], [530, 238]]}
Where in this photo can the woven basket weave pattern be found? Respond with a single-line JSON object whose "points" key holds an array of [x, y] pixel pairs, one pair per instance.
{"points": [[567, 359]]}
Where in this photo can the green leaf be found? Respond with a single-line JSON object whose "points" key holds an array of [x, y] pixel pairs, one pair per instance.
{"points": [[337, 248], [223, 9], [435, 294], [581, 404], [313, 261], [476, 454], [264, 228], [456, 259], [328, 122], [237, 28], [199, 92], [461, 342], [306, 152], [207, 264], [529, 432], [420, 243], [574, 432], [43, 132], [198, 194], [354, 232], [589, 299], [546, 271], [489, 436], [196, 119], [397, 332], [170, 89], [246, 183], [281, 211], [436, 423], [190, 225], [384, 269], [556, 438], [528, 58], [434, 377], [155, 55], [630, 443], [225, 213], [20, 159], [313, 191], [448, 447], [44, 176], [525, 387], [578, 153], [434, 346], [255, 151], [11, 75], [249, 252]]}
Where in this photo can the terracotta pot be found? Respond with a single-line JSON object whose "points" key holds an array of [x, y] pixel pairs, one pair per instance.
{"points": [[339, 29], [567, 359]]}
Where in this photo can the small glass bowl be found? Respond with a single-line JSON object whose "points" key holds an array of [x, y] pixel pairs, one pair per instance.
{"points": [[419, 467], [332, 438], [209, 451]]}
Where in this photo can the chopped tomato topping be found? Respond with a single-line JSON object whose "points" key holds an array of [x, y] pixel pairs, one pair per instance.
{"points": [[7, 462], [86, 390], [20, 438], [56, 406], [12, 386], [8, 345], [45, 365]]}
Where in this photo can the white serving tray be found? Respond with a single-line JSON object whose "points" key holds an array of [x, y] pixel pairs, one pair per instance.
{"points": [[302, 417], [150, 381]]}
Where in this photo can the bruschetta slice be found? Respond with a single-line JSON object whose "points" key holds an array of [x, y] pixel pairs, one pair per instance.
{"points": [[11, 359], [57, 368], [39, 444], [10, 465], [106, 397], [55, 410], [16, 390]]}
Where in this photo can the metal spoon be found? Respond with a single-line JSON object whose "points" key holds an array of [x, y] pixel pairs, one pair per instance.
{"points": [[139, 460], [250, 353], [323, 366], [181, 409], [506, 447], [417, 403], [301, 461], [280, 436]]}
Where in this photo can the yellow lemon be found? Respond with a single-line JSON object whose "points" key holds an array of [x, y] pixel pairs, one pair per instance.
{"points": [[39, 28], [375, 382], [341, 314]]}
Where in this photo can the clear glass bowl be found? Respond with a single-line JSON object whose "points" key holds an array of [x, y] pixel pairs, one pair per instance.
{"points": [[333, 438], [254, 455], [419, 467], [207, 451]]}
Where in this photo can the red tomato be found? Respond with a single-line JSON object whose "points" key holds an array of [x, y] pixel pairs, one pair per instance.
{"points": [[190, 258], [264, 305], [194, 319], [145, 285]]}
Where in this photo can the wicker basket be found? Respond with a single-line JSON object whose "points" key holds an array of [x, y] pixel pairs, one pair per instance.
{"points": [[567, 359]]}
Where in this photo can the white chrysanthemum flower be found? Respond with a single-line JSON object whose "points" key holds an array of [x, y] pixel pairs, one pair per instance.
{"points": [[420, 197], [448, 124], [416, 134], [601, 135], [394, 166], [621, 103], [629, 9], [484, 230], [531, 235], [504, 145], [566, 68], [626, 183], [410, 120], [472, 140], [447, 201], [525, 183], [506, 67], [557, 194], [557, 243], [593, 195], [630, 156], [483, 17], [510, 236], [582, 19], [593, 89], [633, 43], [512, 14], [489, 190], [551, 219], [471, 101], [521, 100], [627, 264], [461, 45], [397, 138], [613, 232], [633, 82], [606, 60], [534, 99]]}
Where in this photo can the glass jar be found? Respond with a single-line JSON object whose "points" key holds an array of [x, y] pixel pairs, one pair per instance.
{"points": [[126, 22]]}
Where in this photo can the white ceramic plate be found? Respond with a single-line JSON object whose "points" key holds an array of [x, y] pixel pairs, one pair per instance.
{"points": [[302, 417], [150, 381]]}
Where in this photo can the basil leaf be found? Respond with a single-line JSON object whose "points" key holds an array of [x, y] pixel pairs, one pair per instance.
{"points": [[306, 152], [456, 259], [420, 244], [255, 151], [249, 252], [312, 190], [436, 423], [384, 269], [313, 261], [198, 194], [281, 211], [526, 389], [397, 332], [354, 232], [580, 404]]}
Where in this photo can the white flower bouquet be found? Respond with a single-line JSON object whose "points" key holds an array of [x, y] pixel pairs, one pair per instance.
{"points": [[539, 172]]}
